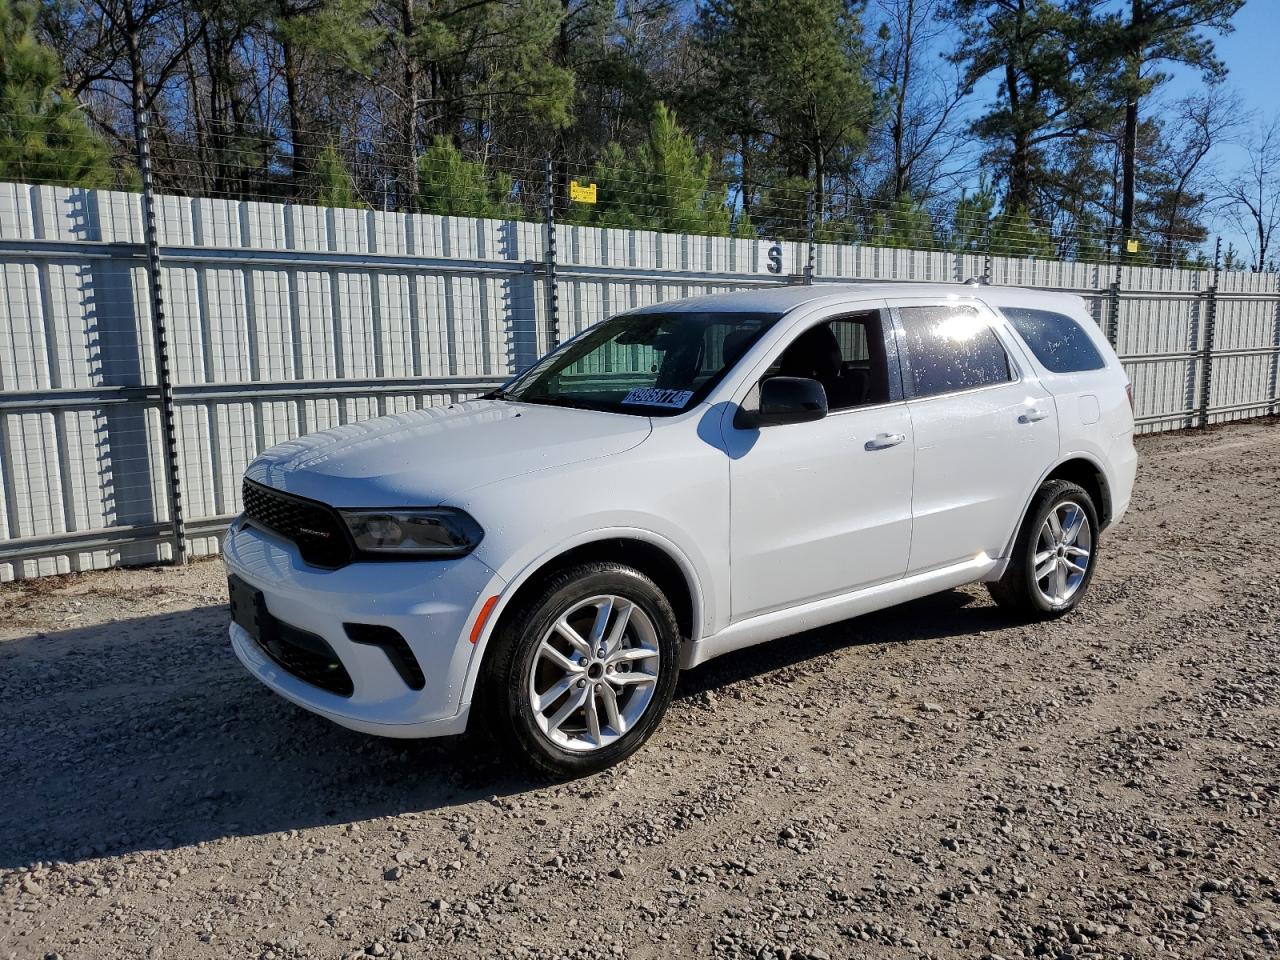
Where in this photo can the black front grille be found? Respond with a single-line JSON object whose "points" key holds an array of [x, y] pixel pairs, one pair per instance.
{"points": [[316, 528]]}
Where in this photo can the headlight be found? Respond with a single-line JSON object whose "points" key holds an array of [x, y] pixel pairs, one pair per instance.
{"points": [[433, 532]]}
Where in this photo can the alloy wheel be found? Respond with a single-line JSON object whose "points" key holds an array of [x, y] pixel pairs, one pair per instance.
{"points": [[1063, 551], [594, 673]]}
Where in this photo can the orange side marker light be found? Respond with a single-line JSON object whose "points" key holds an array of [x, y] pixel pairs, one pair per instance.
{"points": [[483, 618]]}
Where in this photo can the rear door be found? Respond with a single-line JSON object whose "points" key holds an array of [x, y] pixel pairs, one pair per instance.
{"points": [[985, 430], [1083, 374]]}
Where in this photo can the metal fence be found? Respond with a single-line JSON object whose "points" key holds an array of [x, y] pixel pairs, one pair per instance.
{"points": [[129, 409]]}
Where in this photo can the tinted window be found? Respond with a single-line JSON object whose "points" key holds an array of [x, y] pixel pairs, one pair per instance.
{"points": [[847, 356], [1055, 339], [951, 348]]}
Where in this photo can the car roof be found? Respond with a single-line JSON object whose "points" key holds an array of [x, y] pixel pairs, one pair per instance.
{"points": [[783, 299]]}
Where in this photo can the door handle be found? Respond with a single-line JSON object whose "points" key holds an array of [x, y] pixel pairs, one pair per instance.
{"points": [[1032, 415], [883, 441]]}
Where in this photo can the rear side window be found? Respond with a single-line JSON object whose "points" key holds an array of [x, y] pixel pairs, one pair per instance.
{"points": [[951, 348], [1056, 340]]}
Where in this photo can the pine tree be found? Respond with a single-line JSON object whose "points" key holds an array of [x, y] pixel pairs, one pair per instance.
{"points": [[44, 137], [1015, 234], [1044, 58], [664, 184], [972, 219], [451, 185], [332, 181], [977, 228], [1151, 33], [904, 224], [312, 32], [786, 83], [483, 68]]}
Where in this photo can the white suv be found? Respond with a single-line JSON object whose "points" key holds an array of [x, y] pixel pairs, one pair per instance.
{"points": [[673, 484]]}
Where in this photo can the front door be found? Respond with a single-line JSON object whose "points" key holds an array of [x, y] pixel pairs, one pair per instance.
{"points": [[823, 508]]}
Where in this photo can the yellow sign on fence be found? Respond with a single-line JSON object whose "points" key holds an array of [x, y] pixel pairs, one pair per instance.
{"points": [[582, 192], [1132, 246]]}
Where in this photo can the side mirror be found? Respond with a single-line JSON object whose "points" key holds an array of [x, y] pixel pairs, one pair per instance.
{"points": [[785, 400]]}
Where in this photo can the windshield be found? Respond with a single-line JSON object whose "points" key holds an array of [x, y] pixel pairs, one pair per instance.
{"points": [[649, 364]]}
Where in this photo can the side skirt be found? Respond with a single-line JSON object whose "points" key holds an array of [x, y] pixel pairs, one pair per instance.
{"points": [[820, 613]]}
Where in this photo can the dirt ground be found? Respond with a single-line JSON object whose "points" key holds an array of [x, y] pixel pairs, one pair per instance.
{"points": [[931, 781]]}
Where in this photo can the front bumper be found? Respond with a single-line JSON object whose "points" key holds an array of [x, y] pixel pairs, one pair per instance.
{"points": [[430, 603]]}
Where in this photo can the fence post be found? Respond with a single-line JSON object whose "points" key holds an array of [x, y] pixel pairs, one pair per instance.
{"points": [[549, 258], [1273, 396], [1113, 307], [986, 253], [809, 214], [1210, 330], [159, 332]]}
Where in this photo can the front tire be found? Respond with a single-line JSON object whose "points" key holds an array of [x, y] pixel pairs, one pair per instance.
{"points": [[1054, 556], [580, 675]]}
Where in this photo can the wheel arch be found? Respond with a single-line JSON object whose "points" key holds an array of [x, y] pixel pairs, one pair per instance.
{"points": [[655, 556], [1087, 474], [1079, 469]]}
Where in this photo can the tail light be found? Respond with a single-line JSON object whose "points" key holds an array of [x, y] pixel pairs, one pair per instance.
{"points": [[1128, 392]]}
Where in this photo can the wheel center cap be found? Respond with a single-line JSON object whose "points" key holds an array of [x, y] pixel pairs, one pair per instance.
{"points": [[596, 670]]}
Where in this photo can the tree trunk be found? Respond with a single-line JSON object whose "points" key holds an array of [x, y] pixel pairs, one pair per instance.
{"points": [[819, 181], [409, 127], [901, 175], [1129, 162], [296, 134], [1020, 156], [1129, 149], [1175, 206], [1263, 243], [137, 86]]}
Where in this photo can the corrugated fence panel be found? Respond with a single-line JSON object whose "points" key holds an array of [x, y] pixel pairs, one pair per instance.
{"points": [[1050, 274], [1246, 347], [72, 323], [1159, 331], [286, 319]]}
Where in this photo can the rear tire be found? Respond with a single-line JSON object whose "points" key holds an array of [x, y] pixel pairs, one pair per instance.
{"points": [[579, 676], [1054, 556]]}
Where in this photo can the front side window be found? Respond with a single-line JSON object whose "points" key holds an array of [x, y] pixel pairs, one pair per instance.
{"points": [[951, 348], [847, 356], [1057, 341], [648, 364]]}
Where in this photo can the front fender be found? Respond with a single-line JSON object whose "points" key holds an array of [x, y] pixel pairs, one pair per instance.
{"points": [[672, 491], [519, 570]]}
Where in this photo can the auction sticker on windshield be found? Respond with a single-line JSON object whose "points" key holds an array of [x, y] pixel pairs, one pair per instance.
{"points": [[654, 397]]}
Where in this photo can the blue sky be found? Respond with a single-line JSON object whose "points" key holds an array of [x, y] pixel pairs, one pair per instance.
{"points": [[1252, 55]]}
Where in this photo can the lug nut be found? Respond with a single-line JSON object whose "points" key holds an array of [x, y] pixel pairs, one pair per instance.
{"points": [[582, 661], [582, 683]]}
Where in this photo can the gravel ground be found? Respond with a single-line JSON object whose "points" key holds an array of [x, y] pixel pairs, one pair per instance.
{"points": [[932, 781]]}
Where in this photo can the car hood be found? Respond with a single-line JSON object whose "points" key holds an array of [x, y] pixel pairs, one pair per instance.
{"points": [[426, 457]]}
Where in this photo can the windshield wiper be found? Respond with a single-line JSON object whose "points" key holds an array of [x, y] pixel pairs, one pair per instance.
{"points": [[498, 394], [561, 400]]}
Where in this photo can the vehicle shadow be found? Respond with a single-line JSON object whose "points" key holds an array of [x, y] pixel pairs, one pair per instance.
{"points": [[147, 734]]}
